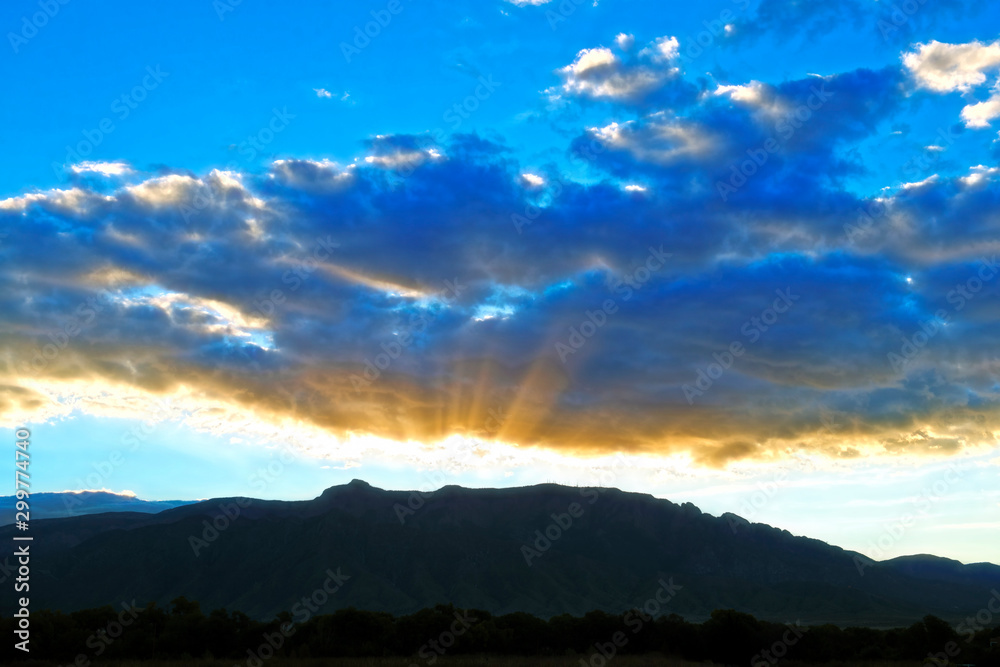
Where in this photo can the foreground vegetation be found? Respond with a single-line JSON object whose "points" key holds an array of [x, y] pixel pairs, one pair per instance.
{"points": [[651, 660], [448, 637]]}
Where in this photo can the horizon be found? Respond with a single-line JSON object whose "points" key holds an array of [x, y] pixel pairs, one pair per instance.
{"points": [[426, 494], [740, 254]]}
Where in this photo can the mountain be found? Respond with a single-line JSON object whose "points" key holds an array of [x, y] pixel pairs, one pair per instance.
{"points": [[77, 503], [404, 551]]}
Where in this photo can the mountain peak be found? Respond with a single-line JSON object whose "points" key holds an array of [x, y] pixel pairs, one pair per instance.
{"points": [[354, 486]]}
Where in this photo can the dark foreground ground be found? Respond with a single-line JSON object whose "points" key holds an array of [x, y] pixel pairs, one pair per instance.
{"points": [[465, 661]]}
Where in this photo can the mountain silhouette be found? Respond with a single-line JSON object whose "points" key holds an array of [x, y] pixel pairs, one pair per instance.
{"points": [[76, 503], [545, 550]]}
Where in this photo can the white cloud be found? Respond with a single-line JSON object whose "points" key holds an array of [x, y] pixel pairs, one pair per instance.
{"points": [[663, 49], [599, 73], [20, 203], [930, 180], [980, 114], [948, 67], [72, 199], [625, 42], [533, 180], [535, 3], [322, 92], [125, 493], [105, 168], [589, 60], [978, 175], [657, 141], [403, 158], [312, 173], [170, 189], [751, 93]]}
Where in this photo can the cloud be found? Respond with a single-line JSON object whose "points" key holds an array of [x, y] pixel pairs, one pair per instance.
{"points": [[980, 114], [657, 140], [651, 76], [751, 93], [945, 68], [662, 50], [812, 21], [103, 168], [399, 302], [534, 3], [123, 494], [625, 41], [949, 67], [322, 92], [704, 143]]}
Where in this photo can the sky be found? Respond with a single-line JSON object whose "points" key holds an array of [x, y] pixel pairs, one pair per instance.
{"points": [[739, 253]]}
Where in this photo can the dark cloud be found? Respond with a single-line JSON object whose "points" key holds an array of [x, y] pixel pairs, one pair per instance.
{"points": [[411, 292], [894, 23]]}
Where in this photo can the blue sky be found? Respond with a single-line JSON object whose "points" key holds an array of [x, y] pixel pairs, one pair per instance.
{"points": [[748, 246]]}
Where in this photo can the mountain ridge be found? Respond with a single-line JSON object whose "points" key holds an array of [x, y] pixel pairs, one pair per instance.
{"points": [[53, 505], [486, 549]]}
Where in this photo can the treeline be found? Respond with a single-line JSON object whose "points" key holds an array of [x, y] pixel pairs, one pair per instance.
{"points": [[91, 636]]}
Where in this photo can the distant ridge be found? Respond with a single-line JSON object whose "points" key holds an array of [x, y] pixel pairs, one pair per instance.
{"points": [[406, 551], [70, 503]]}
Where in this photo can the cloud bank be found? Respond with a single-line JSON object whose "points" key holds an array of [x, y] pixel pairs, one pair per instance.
{"points": [[739, 304]]}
